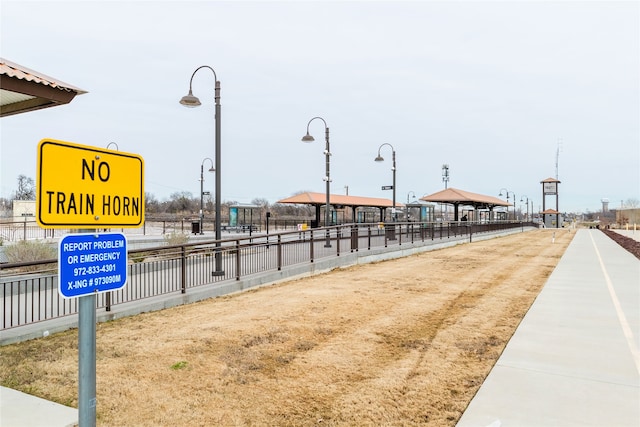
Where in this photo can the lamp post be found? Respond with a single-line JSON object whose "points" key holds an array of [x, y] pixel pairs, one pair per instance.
{"points": [[211, 169], [526, 197], [191, 100], [514, 201], [531, 202], [393, 168], [327, 177], [414, 197]]}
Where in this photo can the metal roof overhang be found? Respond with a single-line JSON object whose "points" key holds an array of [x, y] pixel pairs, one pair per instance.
{"points": [[310, 198], [455, 196], [338, 201], [23, 90]]}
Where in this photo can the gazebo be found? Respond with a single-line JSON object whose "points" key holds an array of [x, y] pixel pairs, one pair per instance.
{"points": [[338, 200], [458, 198]]}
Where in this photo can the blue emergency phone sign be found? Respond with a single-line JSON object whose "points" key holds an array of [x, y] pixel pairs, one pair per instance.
{"points": [[90, 263]]}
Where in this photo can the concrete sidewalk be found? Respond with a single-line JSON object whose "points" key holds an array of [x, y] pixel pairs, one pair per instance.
{"points": [[574, 359], [24, 410]]}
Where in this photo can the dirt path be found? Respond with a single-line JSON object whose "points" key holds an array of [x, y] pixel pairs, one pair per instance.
{"points": [[397, 343]]}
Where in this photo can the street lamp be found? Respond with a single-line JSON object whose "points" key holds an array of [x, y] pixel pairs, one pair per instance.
{"points": [[327, 177], [514, 201], [393, 168], [414, 197], [211, 169], [191, 100], [526, 197], [531, 201]]}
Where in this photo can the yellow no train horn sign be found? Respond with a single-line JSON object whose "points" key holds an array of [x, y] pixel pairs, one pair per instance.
{"points": [[79, 186]]}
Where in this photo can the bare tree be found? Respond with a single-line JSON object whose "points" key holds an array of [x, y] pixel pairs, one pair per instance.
{"points": [[264, 206], [26, 189], [260, 202], [151, 204], [5, 207], [632, 203], [181, 202]]}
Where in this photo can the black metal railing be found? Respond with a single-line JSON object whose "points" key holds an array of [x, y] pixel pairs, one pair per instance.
{"points": [[30, 289], [28, 229]]}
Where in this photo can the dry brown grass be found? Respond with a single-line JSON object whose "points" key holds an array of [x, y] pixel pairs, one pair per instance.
{"points": [[397, 343]]}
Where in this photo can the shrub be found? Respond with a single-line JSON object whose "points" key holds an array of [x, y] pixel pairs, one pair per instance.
{"points": [[176, 239], [29, 250], [138, 256]]}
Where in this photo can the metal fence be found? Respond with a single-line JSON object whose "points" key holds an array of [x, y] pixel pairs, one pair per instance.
{"points": [[28, 229], [13, 231], [30, 290]]}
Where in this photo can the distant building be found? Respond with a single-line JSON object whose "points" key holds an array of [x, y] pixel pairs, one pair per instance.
{"points": [[628, 217], [24, 210]]}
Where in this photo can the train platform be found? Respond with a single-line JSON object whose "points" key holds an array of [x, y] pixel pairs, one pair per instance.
{"points": [[573, 360]]}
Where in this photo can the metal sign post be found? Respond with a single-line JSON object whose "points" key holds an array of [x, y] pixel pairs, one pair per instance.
{"points": [[86, 187], [89, 263], [87, 361]]}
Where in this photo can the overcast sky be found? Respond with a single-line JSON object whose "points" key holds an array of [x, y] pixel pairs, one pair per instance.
{"points": [[506, 93]]}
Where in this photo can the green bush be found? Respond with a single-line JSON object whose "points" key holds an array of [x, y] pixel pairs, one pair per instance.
{"points": [[29, 250]]}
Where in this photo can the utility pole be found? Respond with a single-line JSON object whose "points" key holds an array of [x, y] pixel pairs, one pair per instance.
{"points": [[445, 179], [558, 149], [445, 175]]}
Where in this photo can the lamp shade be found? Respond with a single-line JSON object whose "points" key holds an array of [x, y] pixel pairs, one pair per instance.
{"points": [[190, 100], [307, 138]]}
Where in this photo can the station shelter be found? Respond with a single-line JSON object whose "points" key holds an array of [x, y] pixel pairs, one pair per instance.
{"points": [[420, 211], [360, 206], [241, 216], [479, 206], [25, 90]]}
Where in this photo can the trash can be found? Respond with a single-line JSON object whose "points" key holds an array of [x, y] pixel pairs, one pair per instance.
{"points": [[390, 232], [195, 227], [354, 238]]}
